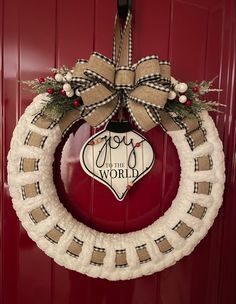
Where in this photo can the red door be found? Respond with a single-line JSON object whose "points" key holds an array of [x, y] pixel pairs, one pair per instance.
{"points": [[198, 36]]}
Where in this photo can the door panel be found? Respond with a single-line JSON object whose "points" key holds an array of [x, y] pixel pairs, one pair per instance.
{"points": [[199, 38]]}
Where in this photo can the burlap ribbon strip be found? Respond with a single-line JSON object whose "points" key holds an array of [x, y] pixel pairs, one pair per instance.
{"points": [[108, 84]]}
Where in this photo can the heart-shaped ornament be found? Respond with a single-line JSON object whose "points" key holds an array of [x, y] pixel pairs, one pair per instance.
{"points": [[117, 157]]}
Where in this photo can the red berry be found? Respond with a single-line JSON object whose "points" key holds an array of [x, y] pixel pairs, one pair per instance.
{"points": [[195, 89], [50, 91], [62, 92], [41, 79], [137, 145], [76, 103], [188, 103]]}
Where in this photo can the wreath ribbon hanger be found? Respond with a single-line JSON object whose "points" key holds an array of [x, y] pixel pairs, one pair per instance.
{"points": [[109, 84]]}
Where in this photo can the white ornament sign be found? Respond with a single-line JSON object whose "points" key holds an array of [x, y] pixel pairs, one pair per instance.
{"points": [[117, 157]]}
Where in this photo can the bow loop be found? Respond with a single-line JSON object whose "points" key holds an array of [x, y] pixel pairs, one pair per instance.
{"points": [[78, 73], [150, 94], [148, 68], [101, 69], [165, 73]]}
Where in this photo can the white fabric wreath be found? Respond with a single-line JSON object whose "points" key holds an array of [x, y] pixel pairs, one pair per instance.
{"points": [[128, 247]]}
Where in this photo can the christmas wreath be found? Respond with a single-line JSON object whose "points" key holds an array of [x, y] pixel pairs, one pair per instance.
{"points": [[94, 91]]}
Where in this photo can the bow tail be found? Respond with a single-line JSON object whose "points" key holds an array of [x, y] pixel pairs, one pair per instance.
{"points": [[98, 116], [141, 115]]}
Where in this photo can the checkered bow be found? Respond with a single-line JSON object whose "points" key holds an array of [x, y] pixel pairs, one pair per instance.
{"points": [[106, 85]]}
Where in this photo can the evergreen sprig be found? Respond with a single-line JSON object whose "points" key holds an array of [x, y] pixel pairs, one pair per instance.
{"points": [[196, 101], [57, 102]]}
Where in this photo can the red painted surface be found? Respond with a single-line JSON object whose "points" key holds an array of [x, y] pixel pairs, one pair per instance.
{"points": [[198, 36]]}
